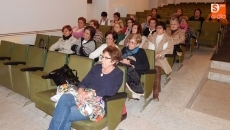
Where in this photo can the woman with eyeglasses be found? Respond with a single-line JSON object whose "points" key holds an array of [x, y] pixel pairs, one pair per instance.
{"points": [[111, 38], [136, 29], [100, 78], [127, 30], [136, 58], [160, 42]]}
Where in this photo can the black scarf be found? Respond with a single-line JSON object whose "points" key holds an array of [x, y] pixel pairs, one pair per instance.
{"points": [[66, 38]]}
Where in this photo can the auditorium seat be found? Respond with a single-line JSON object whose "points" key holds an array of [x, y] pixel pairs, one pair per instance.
{"points": [[19, 55], [41, 40], [52, 40], [20, 73], [54, 61], [5, 50]]}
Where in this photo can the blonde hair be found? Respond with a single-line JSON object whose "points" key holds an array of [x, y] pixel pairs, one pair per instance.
{"points": [[119, 23], [137, 38], [185, 18]]}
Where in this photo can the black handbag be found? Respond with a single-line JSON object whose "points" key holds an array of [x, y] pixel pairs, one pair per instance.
{"points": [[64, 75]]}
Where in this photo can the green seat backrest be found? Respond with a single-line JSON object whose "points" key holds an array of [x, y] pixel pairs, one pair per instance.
{"points": [[151, 57], [98, 44], [52, 40], [195, 24], [210, 28], [6, 48], [104, 29], [81, 64], [120, 46], [142, 20], [19, 52], [123, 85], [123, 19], [41, 40], [36, 57], [54, 60]]}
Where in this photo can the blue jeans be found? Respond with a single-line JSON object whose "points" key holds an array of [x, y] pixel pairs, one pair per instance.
{"points": [[65, 112]]}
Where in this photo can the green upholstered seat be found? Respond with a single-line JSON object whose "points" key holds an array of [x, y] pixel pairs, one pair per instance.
{"points": [[104, 29], [19, 54], [52, 40], [5, 49], [41, 40], [36, 58], [210, 34], [54, 61]]}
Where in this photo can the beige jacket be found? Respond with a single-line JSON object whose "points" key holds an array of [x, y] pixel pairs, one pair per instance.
{"points": [[163, 47], [177, 37]]}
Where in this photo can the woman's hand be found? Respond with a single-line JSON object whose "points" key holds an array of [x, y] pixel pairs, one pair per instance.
{"points": [[81, 94], [158, 56]]}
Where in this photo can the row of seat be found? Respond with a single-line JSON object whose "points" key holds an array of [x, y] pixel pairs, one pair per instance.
{"points": [[23, 75]]}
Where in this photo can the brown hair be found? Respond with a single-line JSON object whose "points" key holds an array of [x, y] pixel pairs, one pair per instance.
{"points": [[156, 20], [154, 9], [67, 27], [175, 19], [95, 23], [83, 19], [114, 52], [139, 28], [137, 38]]}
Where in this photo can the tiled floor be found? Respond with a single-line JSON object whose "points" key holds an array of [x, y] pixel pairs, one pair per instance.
{"points": [[214, 99], [168, 114]]}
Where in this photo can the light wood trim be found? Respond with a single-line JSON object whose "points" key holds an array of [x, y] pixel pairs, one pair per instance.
{"points": [[31, 32]]}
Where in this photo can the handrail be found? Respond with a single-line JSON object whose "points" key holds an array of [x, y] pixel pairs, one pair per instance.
{"points": [[30, 32]]}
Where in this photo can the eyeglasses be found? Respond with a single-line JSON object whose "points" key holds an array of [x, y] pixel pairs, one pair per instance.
{"points": [[104, 57], [133, 43]]}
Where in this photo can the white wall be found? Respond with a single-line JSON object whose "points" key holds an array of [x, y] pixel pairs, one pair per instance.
{"points": [[98, 7], [34, 15], [153, 4], [131, 6]]}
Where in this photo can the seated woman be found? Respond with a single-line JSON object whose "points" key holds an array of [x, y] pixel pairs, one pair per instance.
{"points": [[136, 29], [116, 19], [132, 16], [129, 23], [154, 14], [100, 78], [188, 32], [64, 44], [159, 42], [146, 24], [85, 45], [98, 36], [111, 38], [177, 35], [135, 56], [118, 29], [197, 16], [152, 25], [179, 13], [78, 31]]}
